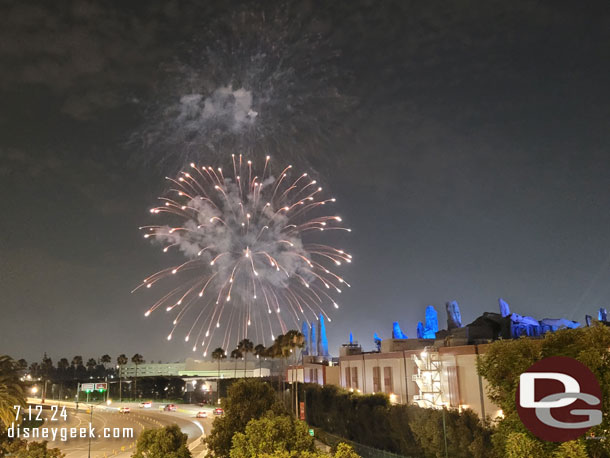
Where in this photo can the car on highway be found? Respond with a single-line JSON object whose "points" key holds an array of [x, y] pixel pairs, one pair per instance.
{"points": [[124, 409], [219, 411], [170, 408], [145, 405], [201, 414]]}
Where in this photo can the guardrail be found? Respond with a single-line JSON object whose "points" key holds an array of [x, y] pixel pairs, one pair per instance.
{"points": [[363, 450]]}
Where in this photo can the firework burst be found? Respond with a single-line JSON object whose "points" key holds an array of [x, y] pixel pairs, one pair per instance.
{"points": [[253, 264]]}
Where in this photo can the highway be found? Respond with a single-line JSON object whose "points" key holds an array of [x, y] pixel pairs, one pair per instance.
{"points": [[138, 419]]}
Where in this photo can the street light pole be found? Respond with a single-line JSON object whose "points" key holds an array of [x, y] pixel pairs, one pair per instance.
{"points": [[91, 406], [91, 423], [120, 383], [445, 432]]}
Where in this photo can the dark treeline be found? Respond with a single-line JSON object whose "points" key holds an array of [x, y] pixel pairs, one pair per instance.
{"points": [[74, 368]]}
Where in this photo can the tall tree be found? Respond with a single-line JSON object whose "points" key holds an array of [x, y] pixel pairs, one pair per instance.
{"points": [[62, 365], [260, 351], [77, 363], [121, 360], [62, 371], [245, 346], [283, 347], [105, 359], [274, 352], [91, 363], [218, 354], [46, 370], [11, 391], [137, 359], [246, 399], [293, 342], [46, 366], [236, 355]]}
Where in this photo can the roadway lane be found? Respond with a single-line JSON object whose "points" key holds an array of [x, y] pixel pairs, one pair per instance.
{"points": [[138, 419]]}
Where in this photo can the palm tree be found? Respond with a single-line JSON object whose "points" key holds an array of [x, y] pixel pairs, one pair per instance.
{"points": [[218, 354], [293, 341], [62, 365], [105, 359], [77, 362], [11, 391], [62, 370], [91, 363], [121, 360], [245, 346], [46, 370], [283, 347], [260, 352], [46, 366], [236, 354], [274, 352], [137, 359]]}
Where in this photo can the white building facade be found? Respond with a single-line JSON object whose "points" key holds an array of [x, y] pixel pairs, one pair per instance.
{"points": [[420, 374]]}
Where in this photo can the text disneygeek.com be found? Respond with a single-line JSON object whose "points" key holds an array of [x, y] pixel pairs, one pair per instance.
{"points": [[62, 433]]}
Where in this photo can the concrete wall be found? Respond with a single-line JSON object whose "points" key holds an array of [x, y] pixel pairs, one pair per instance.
{"points": [[313, 373]]}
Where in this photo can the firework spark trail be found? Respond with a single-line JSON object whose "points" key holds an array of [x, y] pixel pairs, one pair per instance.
{"points": [[249, 268]]}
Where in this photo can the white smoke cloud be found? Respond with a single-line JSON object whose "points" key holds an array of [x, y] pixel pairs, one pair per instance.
{"points": [[225, 108]]}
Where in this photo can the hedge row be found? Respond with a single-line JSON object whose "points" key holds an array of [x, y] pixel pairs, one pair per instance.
{"points": [[407, 430]]}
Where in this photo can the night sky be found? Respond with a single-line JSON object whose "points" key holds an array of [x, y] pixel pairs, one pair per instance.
{"points": [[470, 158]]}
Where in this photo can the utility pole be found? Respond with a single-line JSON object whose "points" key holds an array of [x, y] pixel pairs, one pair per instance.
{"points": [[91, 424], [91, 406], [120, 383]]}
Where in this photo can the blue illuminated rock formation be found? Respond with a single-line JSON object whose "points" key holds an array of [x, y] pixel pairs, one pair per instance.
{"points": [[396, 332], [553, 325], [454, 317], [314, 343], [420, 330], [504, 308], [489, 326], [588, 320], [377, 342], [307, 343], [531, 327], [431, 327], [602, 315], [322, 339]]}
